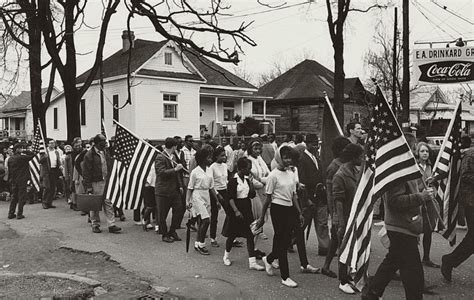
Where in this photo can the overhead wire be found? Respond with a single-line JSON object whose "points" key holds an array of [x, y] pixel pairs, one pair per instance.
{"points": [[444, 7], [443, 21], [430, 21]]}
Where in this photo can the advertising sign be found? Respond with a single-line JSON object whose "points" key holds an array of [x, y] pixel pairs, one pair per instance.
{"points": [[443, 65]]}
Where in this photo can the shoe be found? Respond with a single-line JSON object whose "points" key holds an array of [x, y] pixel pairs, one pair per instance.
{"points": [[138, 223], [114, 229], [289, 282], [45, 206], [275, 264], [192, 228], [431, 264], [253, 265], [214, 244], [346, 288], [145, 227], [310, 269], [263, 236], [201, 250], [167, 239], [89, 220], [237, 244], [381, 223], [11, 216], [175, 236], [83, 213], [446, 270], [19, 217], [74, 207], [226, 259], [96, 229], [268, 267], [51, 206], [122, 218], [328, 273]]}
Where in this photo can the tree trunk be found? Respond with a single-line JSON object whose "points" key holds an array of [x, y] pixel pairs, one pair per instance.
{"points": [[339, 76], [72, 109]]}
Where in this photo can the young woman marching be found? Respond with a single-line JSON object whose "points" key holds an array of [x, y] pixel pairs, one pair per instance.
{"points": [[422, 153], [281, 193], [198, 199], [219, 173], [239, 216]]}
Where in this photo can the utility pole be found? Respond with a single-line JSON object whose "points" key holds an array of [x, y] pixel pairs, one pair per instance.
{"points": [[394, 63], [405, 95], [101, 84]]}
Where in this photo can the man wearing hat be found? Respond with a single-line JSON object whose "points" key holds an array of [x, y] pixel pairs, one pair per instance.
{"points": [[310, 174]]}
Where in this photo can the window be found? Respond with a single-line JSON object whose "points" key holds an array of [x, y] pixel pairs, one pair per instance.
{"points": [[257, 108], [168, 58], [356, 116], [83, 112], [55, 118], [228, 110], [115, 101], [170, 106]]}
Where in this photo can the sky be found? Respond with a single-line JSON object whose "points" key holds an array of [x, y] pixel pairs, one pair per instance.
{"points": [[296, 31]]}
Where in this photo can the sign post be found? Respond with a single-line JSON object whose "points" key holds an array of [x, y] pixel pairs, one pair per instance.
{"points": [[443, 65]]}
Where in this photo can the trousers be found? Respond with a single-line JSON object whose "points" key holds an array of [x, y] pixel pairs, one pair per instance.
{"points": [[164, 204], [19, 197], [283, 222], [465, 249], [50, 183], [402, 255], [98, 189]]}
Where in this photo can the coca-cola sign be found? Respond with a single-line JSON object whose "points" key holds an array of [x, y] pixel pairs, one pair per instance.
{"points": [[443, 65], [447, 72]]}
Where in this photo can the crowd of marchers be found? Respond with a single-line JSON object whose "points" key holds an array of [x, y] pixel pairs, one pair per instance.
{"points": [[254, 182]]}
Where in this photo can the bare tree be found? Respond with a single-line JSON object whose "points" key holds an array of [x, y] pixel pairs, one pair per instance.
{"points": [[22, 31], [337, 15], [56, 34]]}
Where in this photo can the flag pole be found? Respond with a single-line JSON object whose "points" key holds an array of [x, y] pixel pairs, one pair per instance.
{"points": [[446, 136], [333, 114], [150, 145]]}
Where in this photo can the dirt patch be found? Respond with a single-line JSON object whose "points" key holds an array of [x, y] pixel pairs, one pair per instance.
{"points": [[7, 233], [30, 286]]}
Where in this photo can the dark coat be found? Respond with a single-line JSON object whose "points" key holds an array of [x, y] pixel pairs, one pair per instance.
{"points": [[45, 165], [168, 181], [92, 167], [466, 191], [403, 209], [18, 167], [309, 175], [344, 186]]}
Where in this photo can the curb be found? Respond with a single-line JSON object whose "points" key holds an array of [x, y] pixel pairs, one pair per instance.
{"points": [[85, 280]]}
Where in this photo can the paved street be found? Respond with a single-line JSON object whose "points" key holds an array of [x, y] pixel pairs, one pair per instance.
{"points": [[192, 275]]}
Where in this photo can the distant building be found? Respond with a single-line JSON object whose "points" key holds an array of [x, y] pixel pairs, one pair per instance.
{"points": [[432, 110], [173, 93], [17, 117], [299, 98]]}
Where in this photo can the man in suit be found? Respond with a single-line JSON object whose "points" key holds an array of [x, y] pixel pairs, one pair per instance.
{"points": [[168, 190], [50, 171], [310, 174]]}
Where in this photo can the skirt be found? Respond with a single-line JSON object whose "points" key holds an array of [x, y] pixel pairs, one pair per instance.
{"points": [[236, 227], [201, 204]]}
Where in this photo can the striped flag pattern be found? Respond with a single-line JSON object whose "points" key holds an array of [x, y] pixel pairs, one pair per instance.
{"points": [[389, 161], [132, 162], [34, 164], [447, 167]]}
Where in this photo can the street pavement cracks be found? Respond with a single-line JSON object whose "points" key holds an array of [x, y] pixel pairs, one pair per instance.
{"points": [[60, 240]]}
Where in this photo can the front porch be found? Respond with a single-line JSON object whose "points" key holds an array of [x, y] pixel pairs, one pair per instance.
{"points": [[13, 125], [222, 110]]}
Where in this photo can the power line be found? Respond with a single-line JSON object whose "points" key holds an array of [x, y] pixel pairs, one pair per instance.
{"points": [[429, 20], [444, 7], [439, 18]]}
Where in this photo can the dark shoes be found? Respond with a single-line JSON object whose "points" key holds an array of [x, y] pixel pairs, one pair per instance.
{"points": [[237, 244], [114, 229], [201, 250], [175, 236], [259, 254], [430, 264], [96, 229], [74, 207], [122, 218], [52, 206], [328, 273], [83, 213], [13, 216], [446, 269], [19, 217], [167, 239], [45, 206]]}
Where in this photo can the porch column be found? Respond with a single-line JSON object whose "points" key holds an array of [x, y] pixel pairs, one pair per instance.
{"points": [[9, 127], [264, 109], [242, 108], [216, 110]]}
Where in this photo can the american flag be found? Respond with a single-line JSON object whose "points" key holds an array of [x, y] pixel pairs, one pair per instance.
{"points": [[389, 161], [132, 162], [34, 164], [104, 132], [447, 167]]}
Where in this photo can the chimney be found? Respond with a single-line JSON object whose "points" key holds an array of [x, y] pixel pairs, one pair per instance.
{"points": [[126, 42]]}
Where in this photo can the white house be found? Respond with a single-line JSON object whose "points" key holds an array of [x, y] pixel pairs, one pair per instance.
{"points": [[17, 117], [171, 94]]}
